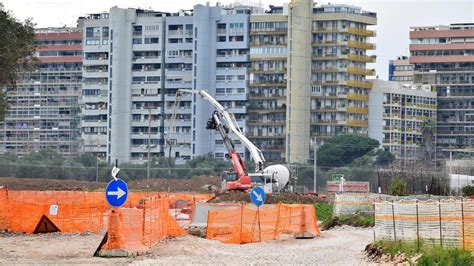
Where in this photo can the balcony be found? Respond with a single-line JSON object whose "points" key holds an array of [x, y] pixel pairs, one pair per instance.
{"points": [[361, 32], [361, 45], [360, 84], [361, 58], [358, 110], [358, 97], [357, 123], [360, 71]]}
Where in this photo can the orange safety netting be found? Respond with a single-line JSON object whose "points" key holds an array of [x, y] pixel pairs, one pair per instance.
{"points": [[4, 218], [68, 211], [249, 224], [137, 229]]}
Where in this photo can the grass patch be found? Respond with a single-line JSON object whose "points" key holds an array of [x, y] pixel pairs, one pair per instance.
{"points": [[352, 220], [323, 211], [431, 255]]}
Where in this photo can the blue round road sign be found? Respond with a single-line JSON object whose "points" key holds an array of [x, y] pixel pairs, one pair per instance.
{"points": [[257, 195], [116, 192]]}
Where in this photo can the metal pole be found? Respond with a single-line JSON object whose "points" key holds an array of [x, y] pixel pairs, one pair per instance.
{"points": [[97, 170], [149, 146], [462, 213], [315, 167], [417, 227], [393, 218], [440, 226]]}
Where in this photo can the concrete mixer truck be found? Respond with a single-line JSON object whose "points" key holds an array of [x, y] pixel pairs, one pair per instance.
{"points": [[273, 177]]}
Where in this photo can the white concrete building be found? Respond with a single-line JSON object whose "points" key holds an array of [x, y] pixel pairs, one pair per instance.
{"points": [[135, 61], [397, 112]]}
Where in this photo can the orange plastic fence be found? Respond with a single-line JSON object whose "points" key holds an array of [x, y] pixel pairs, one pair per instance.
{"points": [[4, 218], [69, 211], [137, 229], [249, 224]]}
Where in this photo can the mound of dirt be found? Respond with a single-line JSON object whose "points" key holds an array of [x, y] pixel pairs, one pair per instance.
{"points": [[198, 184], [271, 198], [38, 184]]}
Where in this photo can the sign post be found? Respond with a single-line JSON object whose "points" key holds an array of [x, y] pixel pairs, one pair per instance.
{"points": [[257, 196]]}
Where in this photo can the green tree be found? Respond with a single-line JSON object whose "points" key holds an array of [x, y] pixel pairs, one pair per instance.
{"points": [[344, 149], [17, 46], [383, 157], [398, 187]]}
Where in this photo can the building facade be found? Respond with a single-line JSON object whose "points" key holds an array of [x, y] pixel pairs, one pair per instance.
{"points": [[44, 113], [291, 75], [397, 115], [283, 110], [136, 60], [443, 56], [400, 70]]}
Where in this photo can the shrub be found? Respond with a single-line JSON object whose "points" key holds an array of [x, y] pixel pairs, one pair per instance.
{"points": [[398, 187]]}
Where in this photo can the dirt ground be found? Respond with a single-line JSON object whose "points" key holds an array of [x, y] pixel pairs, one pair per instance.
{"points": [[340, 246], [270, 198], [156, 184]]}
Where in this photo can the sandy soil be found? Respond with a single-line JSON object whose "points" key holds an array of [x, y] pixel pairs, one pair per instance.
{"points": [[340, 246]]}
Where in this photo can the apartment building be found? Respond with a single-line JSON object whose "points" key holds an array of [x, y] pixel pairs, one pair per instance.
{"points": [[287, 111], [397, 116], [400, 70], [135, 61], [44, 113], [443, 56]]}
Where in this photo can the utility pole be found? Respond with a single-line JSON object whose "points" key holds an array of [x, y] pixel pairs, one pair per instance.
{"points": [[315, 165], [149, 147], [97, 170]]}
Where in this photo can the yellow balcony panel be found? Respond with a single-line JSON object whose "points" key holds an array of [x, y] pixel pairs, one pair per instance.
{"points": [[361, 45], [358, 110], [361, 58], [360, 71], [360, 84], [358, 123], [361, 32], [358, 97]]}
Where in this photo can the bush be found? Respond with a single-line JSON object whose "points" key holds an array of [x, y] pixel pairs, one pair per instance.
{"points": [[352, 220], [468, 191], [398, 187]]}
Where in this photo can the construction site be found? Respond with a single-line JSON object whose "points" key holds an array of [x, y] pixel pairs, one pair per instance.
{"points": [[236, 133]]}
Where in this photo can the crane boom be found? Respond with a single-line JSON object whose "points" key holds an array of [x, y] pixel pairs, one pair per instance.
{"points": [[228, 120]]}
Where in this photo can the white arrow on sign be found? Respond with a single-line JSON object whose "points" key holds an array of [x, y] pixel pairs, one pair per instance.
{"points": [[258, 196], [119, 193]]}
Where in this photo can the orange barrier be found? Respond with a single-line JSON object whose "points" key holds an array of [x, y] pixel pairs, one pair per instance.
{"points": [[67, 211], [4, 218], [133, 230], [249, 224]]}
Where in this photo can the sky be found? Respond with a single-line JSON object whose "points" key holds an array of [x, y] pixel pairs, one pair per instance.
{"points": [[394, 17]]}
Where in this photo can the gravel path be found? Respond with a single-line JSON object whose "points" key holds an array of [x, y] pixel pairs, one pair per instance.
{"points": [[340, 246]]}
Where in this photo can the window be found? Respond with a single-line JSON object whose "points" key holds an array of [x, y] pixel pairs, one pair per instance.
{"points": [[89, 32], [151, 40], [221, 38], [137, 40], [220, 77], [105, 32]]}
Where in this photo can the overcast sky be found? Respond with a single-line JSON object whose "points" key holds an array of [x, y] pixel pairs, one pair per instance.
{"points": [[394, 17]]}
